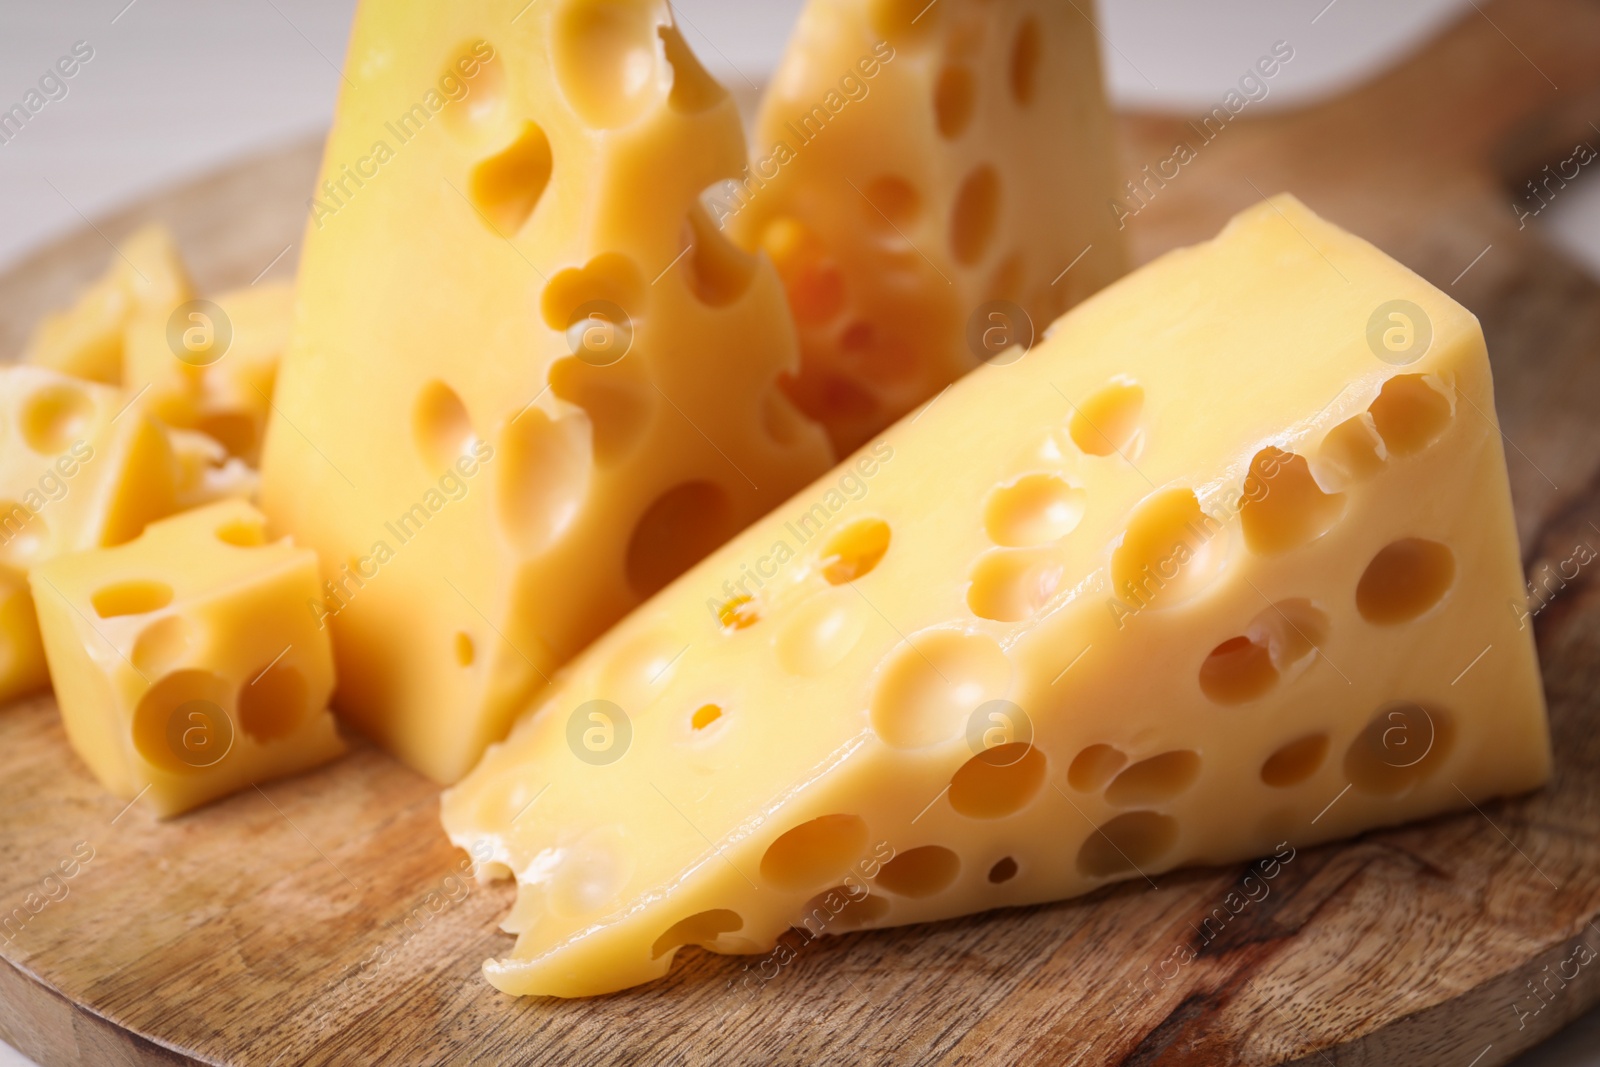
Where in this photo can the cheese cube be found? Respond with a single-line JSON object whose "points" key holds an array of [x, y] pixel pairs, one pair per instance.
{"points": [[215, 371], [185, 662], [1123, 605], [924, 177], [79, 468], [530, 382], [146, 280]]}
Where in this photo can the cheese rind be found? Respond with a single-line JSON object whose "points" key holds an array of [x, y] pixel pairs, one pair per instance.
{"points": [[1121, 606], [919, 169], [184, 662], [520, 392]]}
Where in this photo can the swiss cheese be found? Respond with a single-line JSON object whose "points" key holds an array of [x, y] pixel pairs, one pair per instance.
{"points": [[184, 661], [1227, 562], [932, 181], [530, 381], [80, 467]]}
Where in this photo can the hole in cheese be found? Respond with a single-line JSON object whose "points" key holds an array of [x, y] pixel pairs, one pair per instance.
{"points": [[542, 477], [1411, 413], [692, 88], [1025, 54], [677, 531], [484, 82], [975, 215], [719, 272], [604, 54], [441, 426], [854, 551], [1153, 780], [55, 416], [1009, 585], [1351, 452], [153, 721], [815, 852], [507, 186], [893, 205], [954, 95], [1237, 671], [1283, 507], [243, 533], [1033, 510], [1294, 762], [1405, 580], [130, 598], [842, 908], [700, 929], [897, 20], [273, 702], [618, 412], [1108, 422], [821, 633], [740, 613], [920, 872], [1279, 642], [929, 685], [466, 650], [1127, 843], [1402, 744], [1094, 766], [1003, 871], [998, 782], [1170, 551], [704, 716]]}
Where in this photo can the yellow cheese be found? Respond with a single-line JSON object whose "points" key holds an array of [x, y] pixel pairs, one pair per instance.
{"points": [[213, 370], [79, 468], [205, 473], [146, 280], [1227, 562], [924, 176], [530, 381], [185, 663]]}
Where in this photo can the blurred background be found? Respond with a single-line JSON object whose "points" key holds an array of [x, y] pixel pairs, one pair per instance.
{"points": [[175, 87]]}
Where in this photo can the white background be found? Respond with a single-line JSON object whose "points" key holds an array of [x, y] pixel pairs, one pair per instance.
{"points": [[177, 86]]}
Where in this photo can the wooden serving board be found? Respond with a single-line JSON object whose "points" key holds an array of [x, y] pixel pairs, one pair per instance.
{"points": [[323, 919]]}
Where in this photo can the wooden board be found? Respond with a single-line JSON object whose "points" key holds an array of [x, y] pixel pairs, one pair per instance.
{"points": [[320, 920]]}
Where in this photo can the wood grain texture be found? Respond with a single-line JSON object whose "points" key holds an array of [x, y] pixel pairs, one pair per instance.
{"points": [[322, 919]]}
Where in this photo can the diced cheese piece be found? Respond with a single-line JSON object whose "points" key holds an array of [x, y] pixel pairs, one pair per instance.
{"points": [[79, 468], [185, 662], [1120, 606], [146, 279], [922, 173], [216, 374], [530, 381]]}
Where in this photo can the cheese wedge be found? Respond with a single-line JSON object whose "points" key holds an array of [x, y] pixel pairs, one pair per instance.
{"points": [[1228, 562], [185, 663], [79, 468], [146, 280], [530, 381], [931, 180], [214, 369]]}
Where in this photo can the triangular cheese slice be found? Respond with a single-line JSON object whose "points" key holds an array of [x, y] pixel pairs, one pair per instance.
{"points": [[530, 381], [1226, 563], [928, 178]]}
